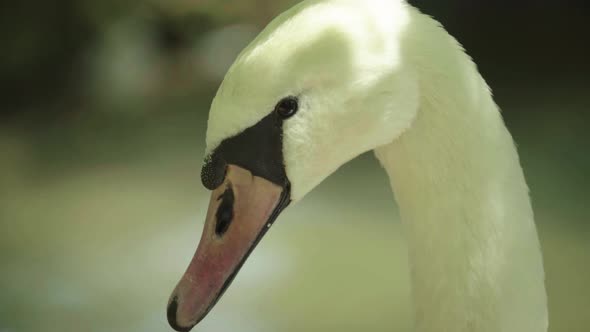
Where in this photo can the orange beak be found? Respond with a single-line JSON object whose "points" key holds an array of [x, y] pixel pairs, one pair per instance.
{"points": [[240, 212]]}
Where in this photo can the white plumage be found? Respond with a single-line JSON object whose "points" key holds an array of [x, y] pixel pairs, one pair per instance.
{"points": [[379, 75]]}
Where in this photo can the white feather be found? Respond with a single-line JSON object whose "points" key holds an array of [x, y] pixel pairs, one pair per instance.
{"points": [[379, 75]]}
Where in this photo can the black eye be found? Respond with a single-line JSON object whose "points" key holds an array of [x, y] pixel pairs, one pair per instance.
{"points": [[287, 107]]}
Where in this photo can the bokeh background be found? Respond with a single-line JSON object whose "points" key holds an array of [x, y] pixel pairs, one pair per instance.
{"points": [[102, 120]]}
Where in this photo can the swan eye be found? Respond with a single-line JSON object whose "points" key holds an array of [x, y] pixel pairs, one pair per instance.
{"points": [[287, 107]]}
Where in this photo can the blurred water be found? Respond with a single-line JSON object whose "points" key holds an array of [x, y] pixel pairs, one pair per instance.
{"points": [[100, 247]]}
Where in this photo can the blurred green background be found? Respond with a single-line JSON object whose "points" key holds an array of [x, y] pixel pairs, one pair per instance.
{"points": [[102, 124]]}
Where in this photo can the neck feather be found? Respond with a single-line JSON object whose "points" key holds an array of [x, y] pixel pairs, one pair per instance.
{"points": [[475, 258]]}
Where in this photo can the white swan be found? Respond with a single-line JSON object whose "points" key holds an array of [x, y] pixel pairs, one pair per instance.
{"points": [[329, 80]]}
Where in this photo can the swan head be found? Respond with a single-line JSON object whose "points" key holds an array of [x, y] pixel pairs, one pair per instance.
{"points": [[323, 83]]}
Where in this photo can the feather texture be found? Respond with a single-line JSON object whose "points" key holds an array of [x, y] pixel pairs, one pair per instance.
{"points": [[379, 75]]}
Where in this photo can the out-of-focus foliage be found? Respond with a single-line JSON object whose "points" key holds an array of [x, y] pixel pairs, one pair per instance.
{"points": [[48, 48]]}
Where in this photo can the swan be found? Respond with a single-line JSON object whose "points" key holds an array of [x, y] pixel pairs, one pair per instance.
{"points": [[331, 79]]}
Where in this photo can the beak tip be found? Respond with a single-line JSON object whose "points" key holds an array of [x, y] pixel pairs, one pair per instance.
{"points": [[172, 319]]}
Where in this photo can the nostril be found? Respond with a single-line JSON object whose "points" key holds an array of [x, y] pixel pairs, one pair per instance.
{"points": [[225, 211], [171, 314]]}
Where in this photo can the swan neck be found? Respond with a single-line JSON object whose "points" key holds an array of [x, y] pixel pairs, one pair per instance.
{"points": [[475, 257]]}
